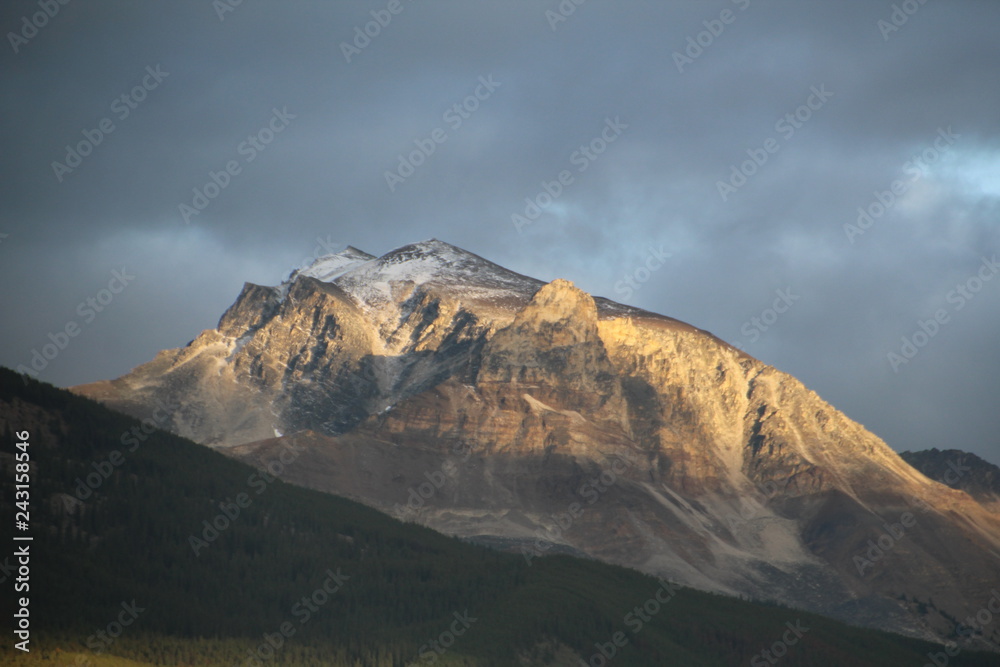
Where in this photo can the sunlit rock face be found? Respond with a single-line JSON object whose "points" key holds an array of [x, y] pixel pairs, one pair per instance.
{"points": [[447, 390]]}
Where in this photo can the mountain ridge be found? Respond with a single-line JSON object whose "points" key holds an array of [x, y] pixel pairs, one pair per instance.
{"points": [[960, 470]]}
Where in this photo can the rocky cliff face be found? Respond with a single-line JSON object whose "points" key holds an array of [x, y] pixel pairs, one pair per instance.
{"points": [[447, 390]]}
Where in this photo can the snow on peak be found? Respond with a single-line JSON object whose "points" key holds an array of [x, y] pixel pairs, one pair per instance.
{"points": [[375, 282], [439, 263], [330, 267]]}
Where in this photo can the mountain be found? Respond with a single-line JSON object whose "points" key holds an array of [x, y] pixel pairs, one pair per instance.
{"points": [[960, 470], [446, 390], [126, 572]]}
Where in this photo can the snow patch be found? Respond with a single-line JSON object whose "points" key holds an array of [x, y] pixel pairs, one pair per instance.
{"points": [[240, 343], [330, 267], [327, 268], [434, 262]]}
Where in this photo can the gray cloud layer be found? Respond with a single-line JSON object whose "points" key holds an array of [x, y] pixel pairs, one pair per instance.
{"points": [[887, 96]]}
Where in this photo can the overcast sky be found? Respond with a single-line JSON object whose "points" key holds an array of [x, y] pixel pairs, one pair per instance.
{"points": [[647, 110]]}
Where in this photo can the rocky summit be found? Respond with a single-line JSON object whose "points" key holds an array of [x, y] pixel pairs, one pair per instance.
{"points": [[444, 389]]}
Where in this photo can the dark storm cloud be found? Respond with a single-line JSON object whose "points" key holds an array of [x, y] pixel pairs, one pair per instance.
{"points": [[849, 298]]}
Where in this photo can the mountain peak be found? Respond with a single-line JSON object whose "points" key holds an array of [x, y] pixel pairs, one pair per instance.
{"points": [[431, 246], [560, 300], [554, 340], [432, 252], [435, 262]]}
